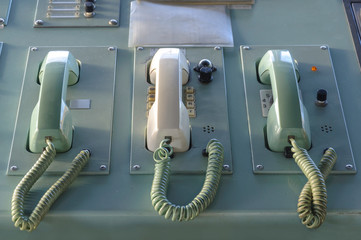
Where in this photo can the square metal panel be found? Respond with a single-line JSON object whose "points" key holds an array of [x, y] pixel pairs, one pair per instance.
{"points": [[4, 12], [210, 121], [92, 126], [328, 127], [71, 13]]}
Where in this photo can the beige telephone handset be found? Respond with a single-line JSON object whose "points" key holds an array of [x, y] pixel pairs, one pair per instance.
{"points": [[168, 117]]}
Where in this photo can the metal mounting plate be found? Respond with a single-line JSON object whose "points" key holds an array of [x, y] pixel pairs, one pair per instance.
{"points": [[211, 119], [92, 126], [328, 127], [4, 11], [71, 14]]}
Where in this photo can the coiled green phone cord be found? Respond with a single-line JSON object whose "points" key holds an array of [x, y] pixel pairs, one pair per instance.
{"points": [[161, 177], [29, 223], [312, 203]]}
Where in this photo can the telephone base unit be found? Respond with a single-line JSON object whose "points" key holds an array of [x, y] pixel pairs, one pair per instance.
{"points": [[90, 102], [207, 109], [327, 122]]}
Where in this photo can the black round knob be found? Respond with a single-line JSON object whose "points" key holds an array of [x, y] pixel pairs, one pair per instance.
{"points": [[205, 69], [89, 7], [205, 74], [321, 95]]}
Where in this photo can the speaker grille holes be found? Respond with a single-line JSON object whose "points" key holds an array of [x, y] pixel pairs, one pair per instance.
{"points": [[208, 129], [326, 128]]}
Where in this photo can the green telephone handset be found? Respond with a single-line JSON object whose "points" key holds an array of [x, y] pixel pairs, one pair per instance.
{"points": [[51, 117], [51, 130], [287, 116]]}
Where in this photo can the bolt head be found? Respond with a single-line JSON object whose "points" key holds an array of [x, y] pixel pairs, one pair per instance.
{"points": [[226, 167], [33, 49], [260, 167], [13, 168], [111, 48], [140, 48], [113, 22], [103, 167], [246, 48], [39, 22], [323, 47], [136, 167], [349, 166], [217, 48], [2, 21]]}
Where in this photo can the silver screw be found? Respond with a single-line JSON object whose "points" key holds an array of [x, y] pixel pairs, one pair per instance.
{"points": [[136, 167], [103, 167], [39, 22], [246, 48], [33, 49], [323, 47], [260, 167], [2, 21], [111, 48], [113, 22], [140, 48], [349, 166], [217, 48], [13, 168], [226, 167]]}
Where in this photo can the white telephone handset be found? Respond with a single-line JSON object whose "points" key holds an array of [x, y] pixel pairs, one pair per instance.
{"points": [[168, 117]]}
